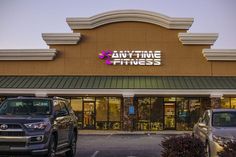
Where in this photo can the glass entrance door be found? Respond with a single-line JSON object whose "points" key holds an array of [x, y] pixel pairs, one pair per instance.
{"points": [[169, 116], [89, 115]]}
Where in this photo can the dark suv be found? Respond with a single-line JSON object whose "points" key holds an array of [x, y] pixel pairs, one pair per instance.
{"points": [[37, 126]]}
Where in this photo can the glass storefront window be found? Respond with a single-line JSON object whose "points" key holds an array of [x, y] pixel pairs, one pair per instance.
{"points": [[144, 106], [169, 115], [233, 103], [170, 99], [152, 113], [114, 113], [156, 114], [194, 110], [89, 115], [114, 109], [228, 103], [89, 98], [101, 113], [183, 117], [205, 104], [101, 109], [225, 103], [189, 110], [77, 106]]}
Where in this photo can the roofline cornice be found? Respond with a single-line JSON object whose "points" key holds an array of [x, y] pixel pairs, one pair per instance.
{"points": [[61, 38], [129, 15], [219, 54], [27, 54], [198, 38]]}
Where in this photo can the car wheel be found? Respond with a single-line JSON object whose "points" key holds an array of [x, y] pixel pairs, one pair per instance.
{"points": [[72, 151], [52, 147], [208, 150]]}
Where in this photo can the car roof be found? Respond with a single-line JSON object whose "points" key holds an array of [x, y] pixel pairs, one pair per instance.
{"points": [[27, 98], [31, 98]]}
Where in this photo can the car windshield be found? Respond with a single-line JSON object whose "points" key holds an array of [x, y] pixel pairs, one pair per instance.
{"points": [[224, 119], [26, 107]]}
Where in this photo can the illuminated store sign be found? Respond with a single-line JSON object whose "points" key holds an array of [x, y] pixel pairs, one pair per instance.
{"points": [[131, 57]]}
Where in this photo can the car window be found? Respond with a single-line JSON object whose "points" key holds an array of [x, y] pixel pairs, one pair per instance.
{"points": [[57, 107], [26, 107], [63, 108], [224, 119], [69, 108]]}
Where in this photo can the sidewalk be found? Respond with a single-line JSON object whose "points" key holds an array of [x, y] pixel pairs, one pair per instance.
{"points": [[115, 132]]}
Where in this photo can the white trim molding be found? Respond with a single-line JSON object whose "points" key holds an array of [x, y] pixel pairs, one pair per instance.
{"points": [[61, 38], [198, 38], [190, 92], [216, 95], [129, 15], [128, 95], [40, 94], [219, 54], [27, 54]]}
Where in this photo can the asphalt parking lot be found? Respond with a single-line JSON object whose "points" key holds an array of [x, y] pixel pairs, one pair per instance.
{"points": [[119, 145], [125, 145]]}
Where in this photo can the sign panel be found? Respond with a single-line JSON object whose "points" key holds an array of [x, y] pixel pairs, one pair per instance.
{"points": [[134, 58], [131, 109]]}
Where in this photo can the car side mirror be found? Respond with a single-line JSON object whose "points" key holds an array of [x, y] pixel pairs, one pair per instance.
{"points": [[60, 114], [202, 125]]}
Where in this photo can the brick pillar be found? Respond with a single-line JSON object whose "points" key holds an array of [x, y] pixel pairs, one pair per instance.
{"points": [[128, 100], [215, 100]]}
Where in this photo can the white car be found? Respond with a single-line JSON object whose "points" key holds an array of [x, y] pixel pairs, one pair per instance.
{"points": [[215, 128]]}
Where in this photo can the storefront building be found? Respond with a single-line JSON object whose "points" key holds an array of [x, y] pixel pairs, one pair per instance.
{"points": [[126, 70]]}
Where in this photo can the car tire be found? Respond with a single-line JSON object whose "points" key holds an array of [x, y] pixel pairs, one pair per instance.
{"points": [[52, 147], [208, 150], [72, 151]]}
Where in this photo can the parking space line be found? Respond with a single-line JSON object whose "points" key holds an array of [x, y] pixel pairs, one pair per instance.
{"points": [[109, 136], [95, 154]]}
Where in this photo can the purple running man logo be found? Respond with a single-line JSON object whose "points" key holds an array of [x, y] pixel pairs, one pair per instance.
{"points": [[106, 55]]}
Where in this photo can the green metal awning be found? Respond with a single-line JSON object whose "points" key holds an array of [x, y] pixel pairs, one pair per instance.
{"points": [[117, 82]]}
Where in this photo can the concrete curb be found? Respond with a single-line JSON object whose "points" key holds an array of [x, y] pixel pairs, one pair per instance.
{"points": [[105, 133]]}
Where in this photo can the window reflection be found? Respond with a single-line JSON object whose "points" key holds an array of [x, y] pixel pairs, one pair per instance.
{"points": [[114, 112], [156, 114], [89, 98], [101, 109], [144, 106], [101, 113], [183, 116], [169, 112], [170, 99], [77, 106], [89, 115], [225, 103], [194, 108], [189, 110], [233, 103], [150, 113]]}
